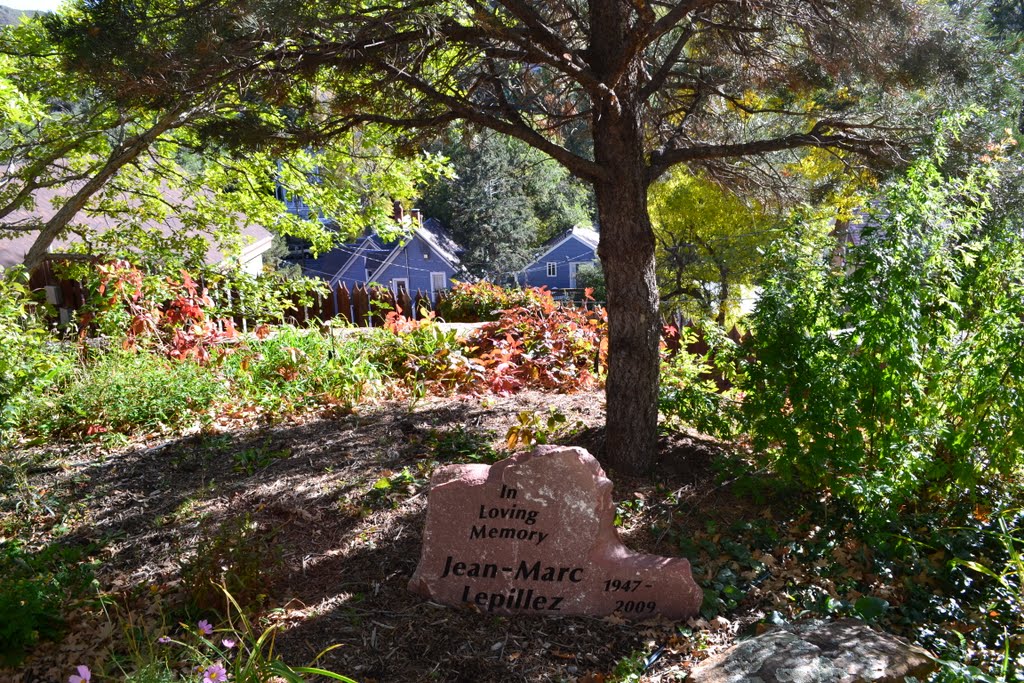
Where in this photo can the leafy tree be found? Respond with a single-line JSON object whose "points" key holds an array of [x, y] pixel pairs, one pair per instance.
{"points": [[502, 201], [903, 377], [709, 243], [652, 85], [141, 163]]}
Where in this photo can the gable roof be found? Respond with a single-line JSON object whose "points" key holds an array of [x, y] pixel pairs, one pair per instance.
{"points": [[437, 240], [586, 236], [440, 241], [365, 245], [13, 249]]}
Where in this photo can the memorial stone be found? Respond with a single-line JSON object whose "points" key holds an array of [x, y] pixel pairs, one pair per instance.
{"points": [[535, 534]]}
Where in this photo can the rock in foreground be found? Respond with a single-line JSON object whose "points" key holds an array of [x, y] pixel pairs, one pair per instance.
{"points": [[845, 651]]}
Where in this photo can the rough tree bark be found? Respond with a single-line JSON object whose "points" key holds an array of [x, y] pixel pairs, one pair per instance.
{"points": [[626, 248]]}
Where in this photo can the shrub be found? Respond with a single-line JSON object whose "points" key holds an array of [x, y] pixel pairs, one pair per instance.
{"points": [[688, 394], [292, 367], [30, 356], [904, 377], [590, 276], [422, 355], [124, 391], [542, 345], [483, 301]]}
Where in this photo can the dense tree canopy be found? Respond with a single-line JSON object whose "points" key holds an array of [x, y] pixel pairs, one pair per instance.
{"points": [[647, 85], [709, 243], [139, 162], [503, 199]]}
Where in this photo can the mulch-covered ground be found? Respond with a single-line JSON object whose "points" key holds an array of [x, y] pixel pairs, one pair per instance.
{"points": [[332, 554]]}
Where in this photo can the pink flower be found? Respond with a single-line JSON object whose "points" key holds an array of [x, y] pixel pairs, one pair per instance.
{"points": [[84, 675], [204, 627], [215, 673], [163, 640], [228, 643]]}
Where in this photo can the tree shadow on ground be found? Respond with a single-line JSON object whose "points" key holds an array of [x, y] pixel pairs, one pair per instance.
{"points": [[347, 550]]}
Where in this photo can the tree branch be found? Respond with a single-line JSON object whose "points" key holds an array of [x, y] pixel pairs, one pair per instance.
{"points": [[579, 166], [664, 159]]}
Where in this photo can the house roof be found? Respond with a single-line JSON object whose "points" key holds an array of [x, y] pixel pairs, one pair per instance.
{"points": [[436, 238], [14, 249], [588, 237]]}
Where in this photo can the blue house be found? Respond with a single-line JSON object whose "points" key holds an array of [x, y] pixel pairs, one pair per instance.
{"points": [[556, 265], [426, 260]]}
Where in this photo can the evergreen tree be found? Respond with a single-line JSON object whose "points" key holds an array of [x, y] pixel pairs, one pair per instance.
{"points": [[723, 86], [504, 199]]}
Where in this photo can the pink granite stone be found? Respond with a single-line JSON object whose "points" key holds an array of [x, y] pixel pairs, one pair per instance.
{"points": [[535, 534]]}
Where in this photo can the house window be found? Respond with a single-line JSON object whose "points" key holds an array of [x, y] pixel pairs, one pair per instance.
{"points": [[438, 281], [552, 269]]}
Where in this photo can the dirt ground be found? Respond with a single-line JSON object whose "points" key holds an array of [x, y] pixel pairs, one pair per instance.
{"points": [[337, 553]]}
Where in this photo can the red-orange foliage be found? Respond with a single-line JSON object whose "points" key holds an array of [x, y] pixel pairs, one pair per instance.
{"points": [[543, 345], [173, 317]]}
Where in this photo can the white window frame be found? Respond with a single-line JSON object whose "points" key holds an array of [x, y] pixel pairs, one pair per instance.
{"points": [[444, 279], [552, 268], [574, 268], [394, 284]]}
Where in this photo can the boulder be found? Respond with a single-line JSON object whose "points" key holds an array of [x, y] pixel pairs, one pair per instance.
{"points": [[844, 651]]}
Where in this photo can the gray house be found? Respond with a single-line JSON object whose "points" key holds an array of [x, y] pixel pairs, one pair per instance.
{"points": [[556, 264], [426, 260]]}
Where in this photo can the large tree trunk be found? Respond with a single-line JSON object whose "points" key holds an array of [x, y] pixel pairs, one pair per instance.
{"points": [[634, 327], [626, 250]]}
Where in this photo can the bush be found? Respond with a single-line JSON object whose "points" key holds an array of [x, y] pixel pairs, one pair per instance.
{"points": [[483, 301], [688, 394], [291, 367], [124, 391], [543, 345], [423, 356], [30, 356], [591, 276], [903, 378]]}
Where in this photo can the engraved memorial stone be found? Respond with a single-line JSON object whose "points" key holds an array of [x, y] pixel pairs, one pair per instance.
{"points": [[535, 534]]}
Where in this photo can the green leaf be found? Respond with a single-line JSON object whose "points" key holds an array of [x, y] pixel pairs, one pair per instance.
{"points": [[870, 607]]}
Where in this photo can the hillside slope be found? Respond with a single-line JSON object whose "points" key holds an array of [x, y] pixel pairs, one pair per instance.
{"points": [[11, 17]]}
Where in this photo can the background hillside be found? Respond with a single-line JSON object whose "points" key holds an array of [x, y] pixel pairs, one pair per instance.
{"points": [[10, 16]]}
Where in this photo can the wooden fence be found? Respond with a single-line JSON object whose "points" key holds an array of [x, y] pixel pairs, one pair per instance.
{"points": [[362, 307]]}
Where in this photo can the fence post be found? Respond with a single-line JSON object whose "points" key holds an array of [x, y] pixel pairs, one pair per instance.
{"points": [[344, 302], [420, 302], [404, 301], [382, 302], [361, 305]]}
